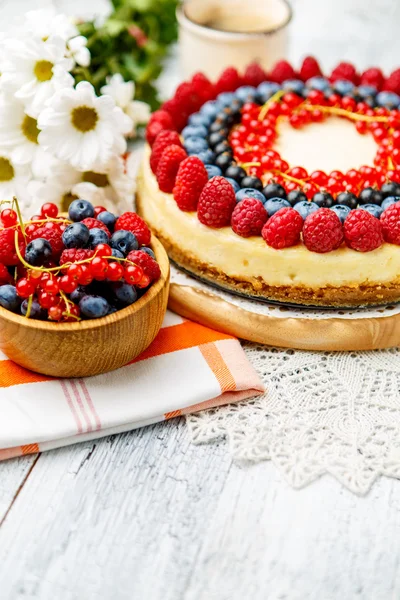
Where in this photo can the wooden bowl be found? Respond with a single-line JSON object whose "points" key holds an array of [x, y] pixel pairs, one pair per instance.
{"points": [[88, 347]]}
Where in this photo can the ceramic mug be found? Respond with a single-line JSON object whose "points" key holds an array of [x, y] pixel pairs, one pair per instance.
{"points": [[215, 34]]}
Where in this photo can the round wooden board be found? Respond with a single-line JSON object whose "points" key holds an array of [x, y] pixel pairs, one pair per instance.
{"points": [[331, 333]]}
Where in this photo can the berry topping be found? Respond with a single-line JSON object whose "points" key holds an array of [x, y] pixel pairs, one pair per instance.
{"points": [[373, 77], [108, 219], [249, 193], [80, 209], [392, 83], [248, 217], [130, 221], [168, 167], [274, 190], [305, 208], [322, 231], [163, 140], [229, 81], [274, 204], [124, 241], [72, 255], [362, 231], [96, 224], [346, 71], [51, 232], [192, 176], [146, 262], [159, 121], [216, 203], [281, 71], [390, 221], [97, 237], [310, 68], [8, 255], [283, 229], [254, 75]]}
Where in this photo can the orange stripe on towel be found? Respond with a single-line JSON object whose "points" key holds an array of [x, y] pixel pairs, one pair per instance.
{"points": [[219, 367], [172, 414], [179, 337], [30, 449], [13, 374]]}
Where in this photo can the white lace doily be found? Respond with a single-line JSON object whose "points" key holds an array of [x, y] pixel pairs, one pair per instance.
{"points": [[323, 412]]}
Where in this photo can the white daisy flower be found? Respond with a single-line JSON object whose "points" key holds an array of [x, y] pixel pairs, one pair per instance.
{"points": [[78, 51], [35, 70], [123, 93], [46, 22], [57, 186], [83, 129], [14, 178], [18, 131]]}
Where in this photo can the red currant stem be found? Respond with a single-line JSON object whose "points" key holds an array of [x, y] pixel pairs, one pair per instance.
{"points": [[28, 308], [345, 113], [66, 300], [265, 107], [68, 314], [21, 222], [290, 178], [250, 164]]}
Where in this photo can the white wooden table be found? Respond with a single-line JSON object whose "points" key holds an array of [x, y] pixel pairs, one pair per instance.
{"points": [[148, 516]]}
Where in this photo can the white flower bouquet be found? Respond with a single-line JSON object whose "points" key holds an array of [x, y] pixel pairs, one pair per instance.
{"points": [[58, 140]]}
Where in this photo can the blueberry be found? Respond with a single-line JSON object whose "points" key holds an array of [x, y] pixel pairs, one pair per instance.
{"points": [[343, 87], [94, 307], [217, 137], [390, 200], [75, 235], [77, 295], [274, 190], [225, 99], [36, 312], [148, 251], [206, 156], [210, 109], [194, 131], [116, 253], [222, 147], [126, 294], [305, 208], [213, 171], [347, 199], [323, 199], [97, 236], [235, 172], [293, 85], [38, 251], [80, 209], [318, 83], [223, 161], [194, 145], [246, 93], [108, 219], [199, 120], [9, 298], [366, 91], [341, 211], [388, 99], [249, 193], [390, 188], [251, 182], [370, 196], [296, 196], [266, 90], [217, 125], [112, 310], [274, 204], [233, 183], [373, 209], [124, 241]]}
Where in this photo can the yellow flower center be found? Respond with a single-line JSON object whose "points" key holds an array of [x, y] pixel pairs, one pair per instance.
{"points": [[30, 129], [6, 169], [43, 70], [66, 201], [98, 179], [84, 118]]}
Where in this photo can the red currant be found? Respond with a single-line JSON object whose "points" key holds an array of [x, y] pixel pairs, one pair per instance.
{"points": [[51, 286], [73, 313], [316, 97], [115, 271], [37, 218], [144, 282], [74, 272], [319, 178], [298, 173], [98, 210], [348, 103], [55, 313], [30, 229], [67, 284], [47, 300], [98, 267], [361, 127], [103, 250], [49, 210], [133, 274], [9, 217], [86, 276], [25, 288]]}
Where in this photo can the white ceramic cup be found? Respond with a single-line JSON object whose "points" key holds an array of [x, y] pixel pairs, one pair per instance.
{"points": [[215, 34]]}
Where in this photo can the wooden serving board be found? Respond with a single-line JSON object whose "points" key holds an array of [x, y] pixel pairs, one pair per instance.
{"points": [[331, 333]]}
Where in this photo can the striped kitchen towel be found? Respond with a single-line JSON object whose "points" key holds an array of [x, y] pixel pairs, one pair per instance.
{"points": [[187, 368]]}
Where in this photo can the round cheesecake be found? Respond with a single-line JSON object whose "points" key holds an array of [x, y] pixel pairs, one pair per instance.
{"points": [[342, 277]]}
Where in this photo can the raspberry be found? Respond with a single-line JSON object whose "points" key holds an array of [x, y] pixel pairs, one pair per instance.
{"points": [[168, 166], [392, 83], [374, 77], [229, 81], [254, 75], [310, 68], [92, 223], [159, 121], [345, 71], [130, 221], [187, 97], [163, 140], [52, 233], [203, 87], [283, 229], [8, 255], [390, 222], [282, 71], [322, 231], [248, 217], [179, 113], [190, 180], [362, 231], [72, 255], [216, 202], [147, 262], [5, 276]]}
